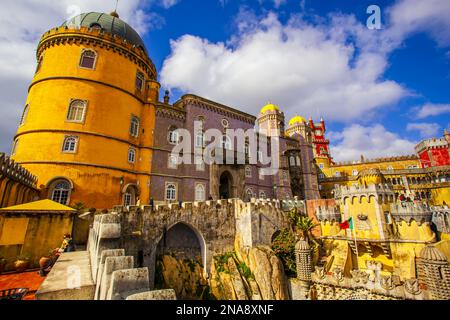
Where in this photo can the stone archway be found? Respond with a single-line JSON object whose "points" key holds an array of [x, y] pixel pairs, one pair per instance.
{"points": [[180, 261], [226, 185]]}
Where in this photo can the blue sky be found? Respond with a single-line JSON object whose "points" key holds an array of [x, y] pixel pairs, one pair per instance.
{"points": [[380, 91]]}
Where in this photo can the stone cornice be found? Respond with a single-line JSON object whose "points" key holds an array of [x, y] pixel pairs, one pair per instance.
{"points": [[172, 112], [215, 107]]}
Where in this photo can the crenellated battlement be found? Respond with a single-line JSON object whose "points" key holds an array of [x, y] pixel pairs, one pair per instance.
{"points": [[434, 143], [100, 38], [330, 214], [375, 160], [411, 211], [342, 192]]}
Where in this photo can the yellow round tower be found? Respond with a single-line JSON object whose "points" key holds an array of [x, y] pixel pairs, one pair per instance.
{"points": [[87, 127]]}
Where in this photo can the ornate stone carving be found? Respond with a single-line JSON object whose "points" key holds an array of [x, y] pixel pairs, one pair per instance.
{"points": [[338, 274], [320, 272], [412, 286], [387, 283], [360, 277]]}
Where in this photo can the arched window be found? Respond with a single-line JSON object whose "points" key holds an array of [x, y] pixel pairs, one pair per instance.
{"points": [[70, 144], [200, 192], [262, 195], [14, 147], [77, 111], [95, 25], [60, 192], [292, 161], [171, 192], [39, 64], [24, 114], [140, 81], [249, 194], [129, 196], [173, 135], [134, 126], [248, 171], [355, 172], [88, 59], [199, 139], [390, 168], [298, 161], [132, 155], [226, 142]]}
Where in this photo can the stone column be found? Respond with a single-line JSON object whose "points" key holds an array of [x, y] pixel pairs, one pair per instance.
{"points": [[304, 264]]}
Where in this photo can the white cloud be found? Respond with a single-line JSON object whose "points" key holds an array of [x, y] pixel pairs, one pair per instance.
{"points": [[21, 25], [431, 109], [306, 69], [409, 16], [371, 142], [426, 130]]}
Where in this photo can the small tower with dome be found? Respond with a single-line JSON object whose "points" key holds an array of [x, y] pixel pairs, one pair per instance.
{"points": [[271, 120]]}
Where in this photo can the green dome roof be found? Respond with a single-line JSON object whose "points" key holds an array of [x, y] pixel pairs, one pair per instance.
{"points": [[109, 23]]}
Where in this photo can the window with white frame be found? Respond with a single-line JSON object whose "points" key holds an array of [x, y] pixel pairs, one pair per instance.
{"points": [[24, 114], [70, 144], [14, 147], [248, 171], [77, 111], [60, 191], [173, 161], [199, 139], [249, 194], [140, 81], [199, 164], [321, 166], [260, 174], [127, 197], [292, 161], [134, 126], [171, 191], [173, 136], [355, 172], [321, 176], [200, 194], [88, 59], [131, 155], [226, 142]]}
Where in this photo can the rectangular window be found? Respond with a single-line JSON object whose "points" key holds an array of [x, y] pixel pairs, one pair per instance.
{"points": [[139, 81], [199, 164], [88, 59], [337, 174], [70, 144], [173, 161], [321, 166], [134, 126], [127, 199]]}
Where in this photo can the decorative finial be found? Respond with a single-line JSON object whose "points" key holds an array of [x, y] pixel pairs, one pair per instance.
{"points": [[114, 13], [167, 97]]}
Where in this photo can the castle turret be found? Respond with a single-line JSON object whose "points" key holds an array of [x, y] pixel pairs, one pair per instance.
{"points": [[303, 261], [86, 130], [434, 271]]}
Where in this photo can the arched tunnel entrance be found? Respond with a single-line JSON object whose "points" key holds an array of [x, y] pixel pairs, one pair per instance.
{"points": [[180, 262]]}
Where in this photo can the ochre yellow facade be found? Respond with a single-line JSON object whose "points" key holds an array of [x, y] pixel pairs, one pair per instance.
{"points": [[99, 169]]}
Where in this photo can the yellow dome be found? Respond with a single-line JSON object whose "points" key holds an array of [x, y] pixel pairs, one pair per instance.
{"points": [[296, 119], [270, 107]]}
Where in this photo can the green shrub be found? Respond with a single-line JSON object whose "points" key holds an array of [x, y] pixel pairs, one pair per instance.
{"points": [[284, 248]]}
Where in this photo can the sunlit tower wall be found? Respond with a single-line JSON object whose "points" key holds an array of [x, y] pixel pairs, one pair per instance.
{"points": [[87, 127]]}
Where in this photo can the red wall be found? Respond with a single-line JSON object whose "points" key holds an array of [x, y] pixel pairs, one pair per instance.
{"points": [[440, 157]]}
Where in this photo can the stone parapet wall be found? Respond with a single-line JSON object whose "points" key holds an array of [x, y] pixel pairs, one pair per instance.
{"points": [[365, 285]]}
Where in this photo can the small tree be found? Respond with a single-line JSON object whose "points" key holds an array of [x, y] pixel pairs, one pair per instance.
{"points": [[301, 224]]}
